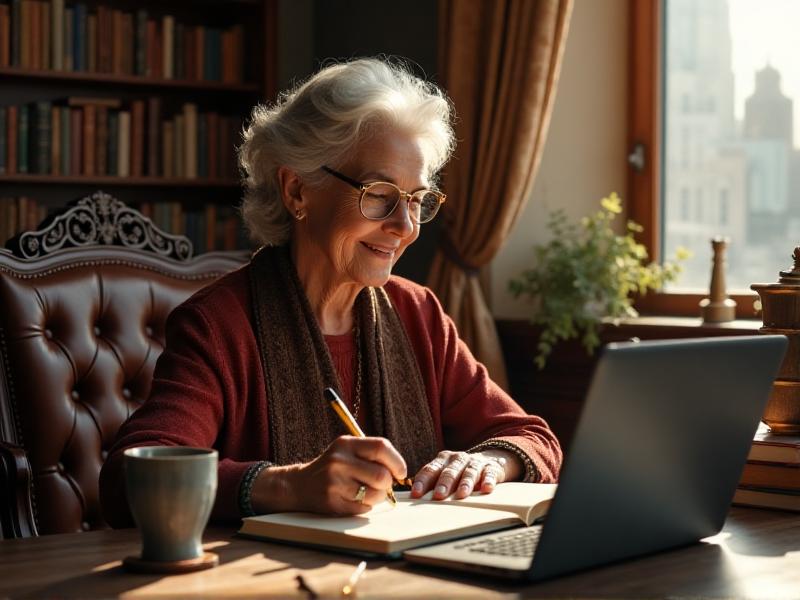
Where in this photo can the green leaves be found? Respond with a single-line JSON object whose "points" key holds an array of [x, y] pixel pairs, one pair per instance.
{"points": [[586, 273]]}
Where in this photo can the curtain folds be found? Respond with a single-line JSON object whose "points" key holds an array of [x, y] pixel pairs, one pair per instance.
{"points": [[499, 61]]}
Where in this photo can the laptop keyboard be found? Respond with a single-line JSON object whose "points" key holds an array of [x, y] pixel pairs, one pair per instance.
{"points": [[519, 542]]}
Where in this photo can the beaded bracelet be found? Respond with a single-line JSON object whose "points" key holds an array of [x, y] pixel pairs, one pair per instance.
{"points": [[246, 487], [531, 472]]}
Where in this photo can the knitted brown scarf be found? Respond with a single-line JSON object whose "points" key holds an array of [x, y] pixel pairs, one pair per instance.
{"points": [[298, 366]]}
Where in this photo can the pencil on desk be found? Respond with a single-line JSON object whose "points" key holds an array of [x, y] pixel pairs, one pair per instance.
{"points": [[340, 408]]}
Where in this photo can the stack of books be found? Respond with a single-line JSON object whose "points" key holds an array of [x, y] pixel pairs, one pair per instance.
{"points": [[771, 477]]}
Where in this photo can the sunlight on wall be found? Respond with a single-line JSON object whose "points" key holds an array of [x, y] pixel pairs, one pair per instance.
{"points": [[584, 156]]}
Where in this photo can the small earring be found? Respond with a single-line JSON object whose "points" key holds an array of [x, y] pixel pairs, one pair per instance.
{"points": [[299, 214]]}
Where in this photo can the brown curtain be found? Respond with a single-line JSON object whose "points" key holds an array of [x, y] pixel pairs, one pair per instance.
{"points": [[499, 61]]}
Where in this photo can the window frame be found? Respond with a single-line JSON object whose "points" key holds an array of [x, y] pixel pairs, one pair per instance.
{"points": [[645, 126]]}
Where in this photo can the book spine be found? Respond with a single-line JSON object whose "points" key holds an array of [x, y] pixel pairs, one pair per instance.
{"points": [[55, 140], [104, 41], [199, 52], [113, 142], [238, 37], [167, 46], [91, 43], [210, 226], [15, 26], [179, 162], [35, 40], [178, 226], [22, 140], [76, 135], [224, 140], [208, 51], [116, 42], [128, 58], [69, 20], [12, 139], [57, 28], [202, 145], [152, 49], [213, 143], [101, 140], [66, 139], [153, 136], [89, 138], [168, 149], [124, 144], [3, 150], [79, 45], [5, 35], [22, 213], [190, 140], [141, 43], [25, 36], [137, 138], [44, 111], [158, 60], [178, 52], [189, 53], [46, 19]]}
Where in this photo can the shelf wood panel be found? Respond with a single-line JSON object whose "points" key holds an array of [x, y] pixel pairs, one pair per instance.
{"points": [[128, 80], [119, 181]]}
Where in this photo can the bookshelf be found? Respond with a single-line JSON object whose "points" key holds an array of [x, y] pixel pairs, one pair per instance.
{"points": [[141, 99]]}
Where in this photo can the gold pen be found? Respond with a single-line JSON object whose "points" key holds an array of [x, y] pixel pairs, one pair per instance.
{"points": [[350, 587], [344, 414]]}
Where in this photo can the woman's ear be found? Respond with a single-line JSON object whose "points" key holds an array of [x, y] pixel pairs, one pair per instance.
{"points": [[291, 187]]}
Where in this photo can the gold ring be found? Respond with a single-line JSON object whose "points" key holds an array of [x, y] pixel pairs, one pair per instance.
{"points": [[361, 493]]}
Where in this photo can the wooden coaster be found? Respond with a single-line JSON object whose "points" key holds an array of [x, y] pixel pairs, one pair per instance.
{"points": [[136, 564]]}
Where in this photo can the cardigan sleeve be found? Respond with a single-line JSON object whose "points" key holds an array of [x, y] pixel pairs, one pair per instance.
{"points": [[186, 407], [473, 409]]}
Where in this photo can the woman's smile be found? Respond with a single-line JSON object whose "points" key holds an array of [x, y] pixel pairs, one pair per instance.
{"points": [[382, 252]]}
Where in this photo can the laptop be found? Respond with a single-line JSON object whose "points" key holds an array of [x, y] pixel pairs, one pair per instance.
{"points": [[654, 463]]}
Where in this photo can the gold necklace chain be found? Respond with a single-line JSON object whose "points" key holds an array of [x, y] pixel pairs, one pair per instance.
{"points": [[357, 399]]}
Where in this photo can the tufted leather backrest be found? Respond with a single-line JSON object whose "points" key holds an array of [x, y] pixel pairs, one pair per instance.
{"points": [[80, 332]]}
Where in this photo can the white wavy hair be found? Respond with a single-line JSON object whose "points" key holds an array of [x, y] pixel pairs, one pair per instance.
{"points": [[322, 120]]}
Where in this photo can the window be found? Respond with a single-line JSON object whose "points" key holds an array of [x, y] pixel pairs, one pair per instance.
{"points": [[714, 87]]}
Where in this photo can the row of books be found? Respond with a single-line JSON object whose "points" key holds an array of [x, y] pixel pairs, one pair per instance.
{"points": [[771, 477], [19, 214], [209, 227], [50, 35], [101, 136]]}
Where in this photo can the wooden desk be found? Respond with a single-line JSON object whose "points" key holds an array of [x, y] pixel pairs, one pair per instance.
{"points": [[756, 556]]}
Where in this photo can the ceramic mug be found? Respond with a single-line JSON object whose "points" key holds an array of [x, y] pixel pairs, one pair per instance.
{"points": [[170, 491]]}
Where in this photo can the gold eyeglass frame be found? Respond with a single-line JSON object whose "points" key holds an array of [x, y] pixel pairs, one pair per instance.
{"points": [[363, 187]]}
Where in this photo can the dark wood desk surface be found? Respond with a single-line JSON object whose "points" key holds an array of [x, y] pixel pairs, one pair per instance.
{"points": [[756, 556]]}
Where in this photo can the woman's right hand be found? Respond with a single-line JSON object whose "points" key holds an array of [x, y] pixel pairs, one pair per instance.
{"points": [[329, 483]]}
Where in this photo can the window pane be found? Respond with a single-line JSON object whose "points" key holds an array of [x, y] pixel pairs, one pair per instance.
{"points": [[731, 163]]}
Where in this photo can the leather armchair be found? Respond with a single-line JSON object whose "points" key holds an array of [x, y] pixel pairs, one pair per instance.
{"points": [[83, 306]]}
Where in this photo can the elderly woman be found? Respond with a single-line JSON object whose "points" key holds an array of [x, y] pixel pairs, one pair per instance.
{"points": [[340, 178]]}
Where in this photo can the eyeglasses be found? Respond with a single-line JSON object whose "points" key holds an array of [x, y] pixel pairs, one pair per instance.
{"points": [[378, 200]]}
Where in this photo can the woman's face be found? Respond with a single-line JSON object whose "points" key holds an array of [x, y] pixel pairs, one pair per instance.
{"points": [[356, 249]]}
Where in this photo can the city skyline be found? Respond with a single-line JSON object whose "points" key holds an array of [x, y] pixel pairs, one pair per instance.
{"points": [[765, 33]]}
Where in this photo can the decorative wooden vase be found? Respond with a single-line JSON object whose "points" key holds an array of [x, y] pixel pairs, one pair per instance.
{"points": [[780, 306]]}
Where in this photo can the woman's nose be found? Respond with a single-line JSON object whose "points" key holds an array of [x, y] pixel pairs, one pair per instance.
{"points": [[400, 221]]}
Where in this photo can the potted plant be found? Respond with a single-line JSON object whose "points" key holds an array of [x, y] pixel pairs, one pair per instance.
{"points": [[587, 274]]}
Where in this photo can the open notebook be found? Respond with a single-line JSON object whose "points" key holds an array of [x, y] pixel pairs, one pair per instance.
{"points": [[389, 530]]}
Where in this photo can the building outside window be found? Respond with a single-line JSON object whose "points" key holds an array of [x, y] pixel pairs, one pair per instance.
{"points": [[730, 90]]}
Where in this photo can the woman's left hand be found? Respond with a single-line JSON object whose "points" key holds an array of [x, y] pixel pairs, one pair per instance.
{"points": [[460, 473]]}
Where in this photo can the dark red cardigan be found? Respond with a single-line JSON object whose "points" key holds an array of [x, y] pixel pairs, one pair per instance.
{"points": [[208, 390]]}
